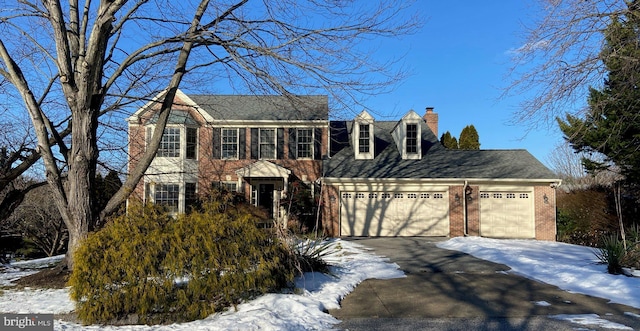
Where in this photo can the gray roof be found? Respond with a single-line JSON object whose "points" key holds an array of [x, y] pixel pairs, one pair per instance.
{"points": [[264, 107], [437, 162]]}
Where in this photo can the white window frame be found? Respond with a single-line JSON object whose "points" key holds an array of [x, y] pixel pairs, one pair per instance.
{"points": [[261, 143], [223, 143], [168, 189], [305, 143], [415, 139], [168, 148]]}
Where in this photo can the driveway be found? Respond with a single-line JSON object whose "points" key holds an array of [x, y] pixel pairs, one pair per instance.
{"points": [[450, 290]]}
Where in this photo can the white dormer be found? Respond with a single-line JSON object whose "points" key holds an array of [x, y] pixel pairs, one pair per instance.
{"points": [[362, 136], [407, 136]]}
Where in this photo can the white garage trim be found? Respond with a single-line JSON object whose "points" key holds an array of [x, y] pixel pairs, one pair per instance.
{"points": [[394, 213], [507, 213]]}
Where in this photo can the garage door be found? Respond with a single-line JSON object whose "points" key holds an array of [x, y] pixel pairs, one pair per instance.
{"points": [[384, 214], [507, 215]]}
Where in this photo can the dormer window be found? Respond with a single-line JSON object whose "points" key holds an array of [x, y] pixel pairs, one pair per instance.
{"points": [[363, 138], [407, 136]]}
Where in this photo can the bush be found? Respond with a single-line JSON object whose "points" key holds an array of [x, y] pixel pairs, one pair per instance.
{"points": [[612, 254], [148, 267]]}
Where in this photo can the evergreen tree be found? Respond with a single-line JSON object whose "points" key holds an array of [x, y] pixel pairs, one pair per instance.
{"points": [[469, 138], [611, 126], [449, 141]]}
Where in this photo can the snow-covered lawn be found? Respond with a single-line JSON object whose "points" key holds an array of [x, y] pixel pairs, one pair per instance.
{"points": [[570, 267], [307, 310]]}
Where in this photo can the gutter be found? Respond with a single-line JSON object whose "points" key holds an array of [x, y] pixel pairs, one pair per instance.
{"points": [[464, 208]]}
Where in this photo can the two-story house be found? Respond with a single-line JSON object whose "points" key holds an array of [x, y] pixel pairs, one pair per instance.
{"points": [[374, 178]]}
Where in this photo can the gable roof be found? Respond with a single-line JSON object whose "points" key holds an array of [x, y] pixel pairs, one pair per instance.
{"points": [[264, 107], [437, 162]]}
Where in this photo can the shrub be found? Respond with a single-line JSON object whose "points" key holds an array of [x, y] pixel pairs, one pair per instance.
{"points": [[612, 254], [151, 268]]}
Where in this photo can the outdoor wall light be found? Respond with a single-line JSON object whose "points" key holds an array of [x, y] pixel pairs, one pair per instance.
{"points": [[457, 197], [546, 199], [332, 198], [468, 191]]}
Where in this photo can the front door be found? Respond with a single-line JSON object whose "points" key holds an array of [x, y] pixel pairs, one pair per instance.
{"points": [[265, 197]]}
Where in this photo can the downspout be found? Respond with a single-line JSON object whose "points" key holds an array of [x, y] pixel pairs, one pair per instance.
{"points": [[464, 208]]}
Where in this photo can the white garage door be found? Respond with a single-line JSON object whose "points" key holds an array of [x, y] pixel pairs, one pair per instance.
{"points": [[507, 215], [383, 214]]}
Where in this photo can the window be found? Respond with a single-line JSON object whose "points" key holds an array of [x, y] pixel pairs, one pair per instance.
{"points": [[346, 195], [167, 195], [190, 196], [170, 143], [412, 139], [398, 195], [386, 195], [497, 195], [438, 196], [229, 143], [511, 196], [359, 195], [412, 196], [424, 195], [363, 139], [192, 143], [305, 143], [267, 144], [524, 196], [484, 195], [227, 186], [373, 195]]}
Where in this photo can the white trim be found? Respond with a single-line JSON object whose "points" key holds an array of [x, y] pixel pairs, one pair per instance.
{"points": [[237, 157], [453, 181], [268, 123]]}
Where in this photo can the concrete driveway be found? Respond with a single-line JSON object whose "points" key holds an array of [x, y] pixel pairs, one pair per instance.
{"points": [[450, 290]]}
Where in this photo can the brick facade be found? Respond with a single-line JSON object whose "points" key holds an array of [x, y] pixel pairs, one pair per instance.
{"points": [[545, 212], [463, 209]]}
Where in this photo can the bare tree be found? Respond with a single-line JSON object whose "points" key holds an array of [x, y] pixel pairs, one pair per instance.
{"points": [[560, 57], [78, 67], [39, 221], [568, 165]]}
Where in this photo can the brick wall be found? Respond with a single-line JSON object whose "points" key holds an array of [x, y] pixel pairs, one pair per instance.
{"points": [[473, 212], [330, 211], [456, 211], [545, 211]]}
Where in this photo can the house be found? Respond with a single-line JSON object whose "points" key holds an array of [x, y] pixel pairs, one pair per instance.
{"points": [[374, 178]]}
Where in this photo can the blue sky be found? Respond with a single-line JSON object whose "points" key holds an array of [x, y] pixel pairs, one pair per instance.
{"points": [[459, 63]]}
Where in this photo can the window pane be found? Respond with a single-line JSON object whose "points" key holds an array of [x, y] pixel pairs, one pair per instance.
{"points": [[170, 143], [364, 138], [167, 195], [190, 196], [192, 142], [305, 143], [267, 143], [229, 143], [412, 139]]}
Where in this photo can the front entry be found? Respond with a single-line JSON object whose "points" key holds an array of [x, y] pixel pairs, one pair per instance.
{"points": [[265, 197]]}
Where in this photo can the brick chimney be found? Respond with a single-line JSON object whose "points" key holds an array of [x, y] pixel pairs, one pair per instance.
{"points": [[431, 119]]}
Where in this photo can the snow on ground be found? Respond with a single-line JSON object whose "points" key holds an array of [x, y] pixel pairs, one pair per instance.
{"points": [[591, 320], [569, 267], [304, 311]]}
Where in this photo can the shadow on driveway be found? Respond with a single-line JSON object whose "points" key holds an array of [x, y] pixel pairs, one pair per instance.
{"points": [[444, 287]]}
